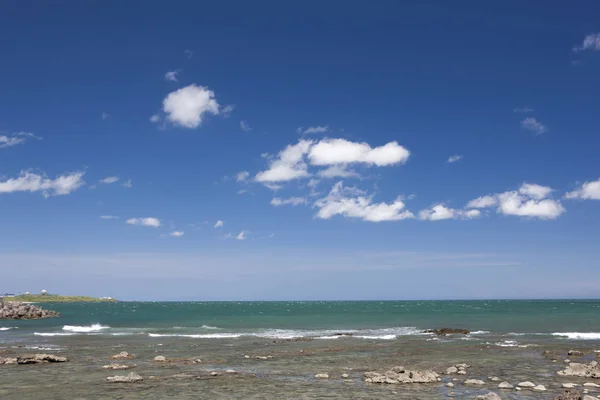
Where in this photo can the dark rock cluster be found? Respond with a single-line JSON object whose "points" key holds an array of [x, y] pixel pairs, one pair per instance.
{"points": [[16, 310]]}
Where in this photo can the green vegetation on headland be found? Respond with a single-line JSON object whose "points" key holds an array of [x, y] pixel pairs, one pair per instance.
{"points": [[55, 298]]}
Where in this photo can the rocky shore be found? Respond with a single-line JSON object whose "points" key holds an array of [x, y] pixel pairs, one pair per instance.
{"points": [[17, 310]]}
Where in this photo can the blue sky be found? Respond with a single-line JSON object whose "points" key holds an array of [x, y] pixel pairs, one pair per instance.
{"points": [[396, 150]]}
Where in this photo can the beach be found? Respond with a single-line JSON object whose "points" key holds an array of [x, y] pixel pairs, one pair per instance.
{"points": [[275, 350]]}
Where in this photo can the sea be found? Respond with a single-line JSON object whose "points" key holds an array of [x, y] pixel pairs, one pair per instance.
{"points": [[277, 348]]}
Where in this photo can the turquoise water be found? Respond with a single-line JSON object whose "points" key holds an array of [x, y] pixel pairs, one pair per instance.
{"points": [[508, 339]]}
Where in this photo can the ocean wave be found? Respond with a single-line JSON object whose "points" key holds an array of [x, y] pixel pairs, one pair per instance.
{"points": [[209, 327], [512, 343], [7, 328], [85, 329], [479, 332], [54, 334], [579, 335], [380, 337], [199, 336]]}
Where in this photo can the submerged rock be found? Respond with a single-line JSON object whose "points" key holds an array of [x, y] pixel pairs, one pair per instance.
{"points": [[345, 376], [591, 384], [322, 376], [447, 331], [122, 356], [575, 353], [494, 379], [401, 375], [451, 370], [539, 388], [489, 396], [474, 382], [118, 366], [18, 310], [8, 360], [569, 395], [40, 358], [160, 359], [132, 377], [591, 370], [569, 385], [450, 384], [526, 384]]}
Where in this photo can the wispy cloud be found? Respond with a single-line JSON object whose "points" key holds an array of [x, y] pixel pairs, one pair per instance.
{"points": [[523, 110], [454, 158], [176, 233], [590, 42], [127, 184], [16, 138], [219, 224], [31, 182], [109, 217], [440, 212], [242, 176], [148, 221], [172, 76], [587, 190], [188, 53], [533, 125], [109, 179], [314, 129], [105, 116], [244, 126], [293, 201]]}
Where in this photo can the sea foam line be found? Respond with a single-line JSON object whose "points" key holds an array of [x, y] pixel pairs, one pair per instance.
{"points": [[579, 335], [85, 329]]}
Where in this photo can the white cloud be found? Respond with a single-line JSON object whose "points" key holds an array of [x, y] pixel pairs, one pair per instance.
{"points": [[272, 186], [338, 171], [483, 202], [288, 165], [294, 201], [241, 236], [32, 182], [535, 191], [127, 184], [227, 110], [105, 116], [529, 201], [588, 190], [172, 76], [314, 129], [454, 158], [155, 118], [533, 125], [244, 126], [219, 224], [354, 203], [590, 42], [242, 176], [342, 151], [109, 217], [148, 221], [16, 138], [109, 179], [189, 53], [176, 233], [440, 212], [523, 110], [188, 106]]}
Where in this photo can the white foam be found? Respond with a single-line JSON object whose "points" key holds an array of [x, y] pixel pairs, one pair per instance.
{"points": [[85, 329], [579, 335], [327, 337], [377, 337], [53, 334], [199, 336], [479, 332], [512, 343], [7, 328], [209, 327]]}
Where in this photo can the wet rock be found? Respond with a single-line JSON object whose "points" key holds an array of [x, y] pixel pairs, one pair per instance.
{"points": [[214, 373], [575, 353], [322, 376], [231, 371], [505, 385], [591, 370], [451, 370], [345, 376], [462, 366], [118, 366], [489, 396], [526, 384], [591, 384], [474, 382], [197, 361], [401, 375], [518, 389], [122, 356], [246, 356], [587, 397], [450, 384], [462, 372], [40, 358], [447, 331], [539, 388], [343, 334], [569, 395], [132, 377], [494, 378], [18, 310], [160, 359]]}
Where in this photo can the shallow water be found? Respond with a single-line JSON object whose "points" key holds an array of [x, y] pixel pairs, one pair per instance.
{"points": [[508, 340]]}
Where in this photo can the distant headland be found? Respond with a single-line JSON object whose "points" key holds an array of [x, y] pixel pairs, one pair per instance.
{"points": [[45, 297]]}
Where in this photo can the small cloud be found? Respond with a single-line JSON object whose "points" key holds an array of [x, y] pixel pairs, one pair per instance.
{"points": [[272, 235], [313, 129], [31, 182], [454, 158], [242, 176], [227, 110], [440, 212], [218, 224], [188, 107], [241, 236], [588, 191], [155, 119], [109, 179], [244, 126], [188, 53], [523, 110], [172, 76], [533, 125], [272, 186], [176, 234], [16, 138], [294, 201], [105, 116], [338, 171], [148, 221], [127, 184], [590, 42], [109, 217]]}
